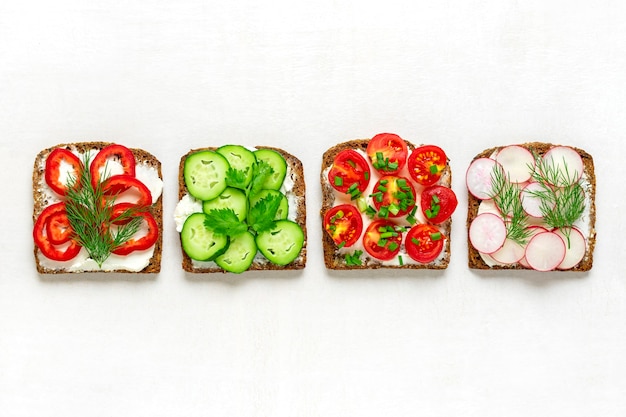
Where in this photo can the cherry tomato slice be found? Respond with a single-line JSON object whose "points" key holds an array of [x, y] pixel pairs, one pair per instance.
{"points": [[115, 152], [143, 242], [118, 184], [426, 163], [382, 239], [344, 224], [58, 228], [349, 168], [48, 249], [438, 203], [424, 242], [387, 152], [393, 196], [62, 163]]}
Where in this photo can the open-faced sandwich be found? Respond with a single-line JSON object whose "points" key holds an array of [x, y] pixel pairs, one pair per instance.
{"points": [[97, 207], [241, 209], [531, 206], [386, 203]]}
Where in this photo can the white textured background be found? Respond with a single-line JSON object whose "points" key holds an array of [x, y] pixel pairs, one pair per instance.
{"points": [[172, 75]]}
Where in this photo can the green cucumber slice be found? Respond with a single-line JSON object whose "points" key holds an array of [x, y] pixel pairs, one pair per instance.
{"points": [[239, 255], [240, 159], [282, 244], [278, 164], [231, 198], [283, 209], [199, 242], [205, 174]]}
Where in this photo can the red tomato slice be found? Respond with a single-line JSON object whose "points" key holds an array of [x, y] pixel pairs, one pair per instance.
{"points": [[387, 152], [58, 228], [120, 153], [424, 243], [349, 168], [382, 239], [438, 203], [54, 169], [143, 242], [48, 249], [426, 164], [344, 224], [118, 184], [393, 196]]}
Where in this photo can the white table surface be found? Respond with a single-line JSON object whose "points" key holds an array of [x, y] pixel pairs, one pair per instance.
{"points": [[168, 76]]}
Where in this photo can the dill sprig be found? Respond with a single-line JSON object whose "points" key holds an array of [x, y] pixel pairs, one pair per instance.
{"points": [[561, 195], [89, 212], [506, 197]]}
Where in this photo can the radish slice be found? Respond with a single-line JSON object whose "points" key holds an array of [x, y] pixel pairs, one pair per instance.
{"points": [[545, 251], [564, 166], [487, 233], [534, 230], [518, 163], [478, 178], [510, 253], [575, 247], [530, 201]]}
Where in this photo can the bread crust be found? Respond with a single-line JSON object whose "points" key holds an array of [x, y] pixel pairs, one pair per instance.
{"points": [[40, 200], [294, 166], [336, 261], [475, 261]]}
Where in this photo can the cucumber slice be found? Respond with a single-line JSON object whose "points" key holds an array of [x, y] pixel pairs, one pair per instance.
{"points": [[240, 159], [278, 164], [282, 244], [199, 242], [240, 253], [231, 198], [283, 209], [205, 174]]}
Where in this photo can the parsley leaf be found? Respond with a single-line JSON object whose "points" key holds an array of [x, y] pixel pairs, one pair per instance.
{"points": [[261, 216], [261, 171], [224, 222], [236, 178]]}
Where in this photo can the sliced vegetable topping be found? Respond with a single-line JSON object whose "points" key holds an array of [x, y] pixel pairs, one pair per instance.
{"points": [[205, 174], [424, 243], [43, 242], [282, 244], [426, 164], [61, 166], [393, 196], [387, 153], [382, 239], [438, 203], [101, 164], [344, 224], [350, 171]]}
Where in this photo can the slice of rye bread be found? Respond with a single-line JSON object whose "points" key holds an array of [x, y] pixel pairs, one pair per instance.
{"points": [[475, 261], [332, 258], [41, 200], [296, 171]]}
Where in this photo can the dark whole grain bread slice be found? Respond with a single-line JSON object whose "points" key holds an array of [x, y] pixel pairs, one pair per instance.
{"points": [[41, 199], [296, 171], [336, 261], [475, 261]]}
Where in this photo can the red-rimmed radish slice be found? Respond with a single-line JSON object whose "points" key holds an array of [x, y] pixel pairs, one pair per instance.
{"points": [[545, 251], [510, 253], [564, 164], [478, 178], [518, 163], [531, 202], [487, 233], [575, 247], [534, 230]]}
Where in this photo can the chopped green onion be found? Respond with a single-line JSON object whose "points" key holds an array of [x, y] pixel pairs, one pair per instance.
{"points": [[341, 245], [435, 236], [415, 241], [400, 260], [393, 246], [338, 181], [382, 243], [434, 169], [351, 163]]}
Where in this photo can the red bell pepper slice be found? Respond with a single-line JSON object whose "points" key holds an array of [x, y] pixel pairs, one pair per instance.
{"points": [[112, 152], [54, 169], [43, 242], [143, 242], [118, 184]]}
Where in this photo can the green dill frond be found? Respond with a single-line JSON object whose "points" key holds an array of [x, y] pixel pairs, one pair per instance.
{"points": [[506, 196]]}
